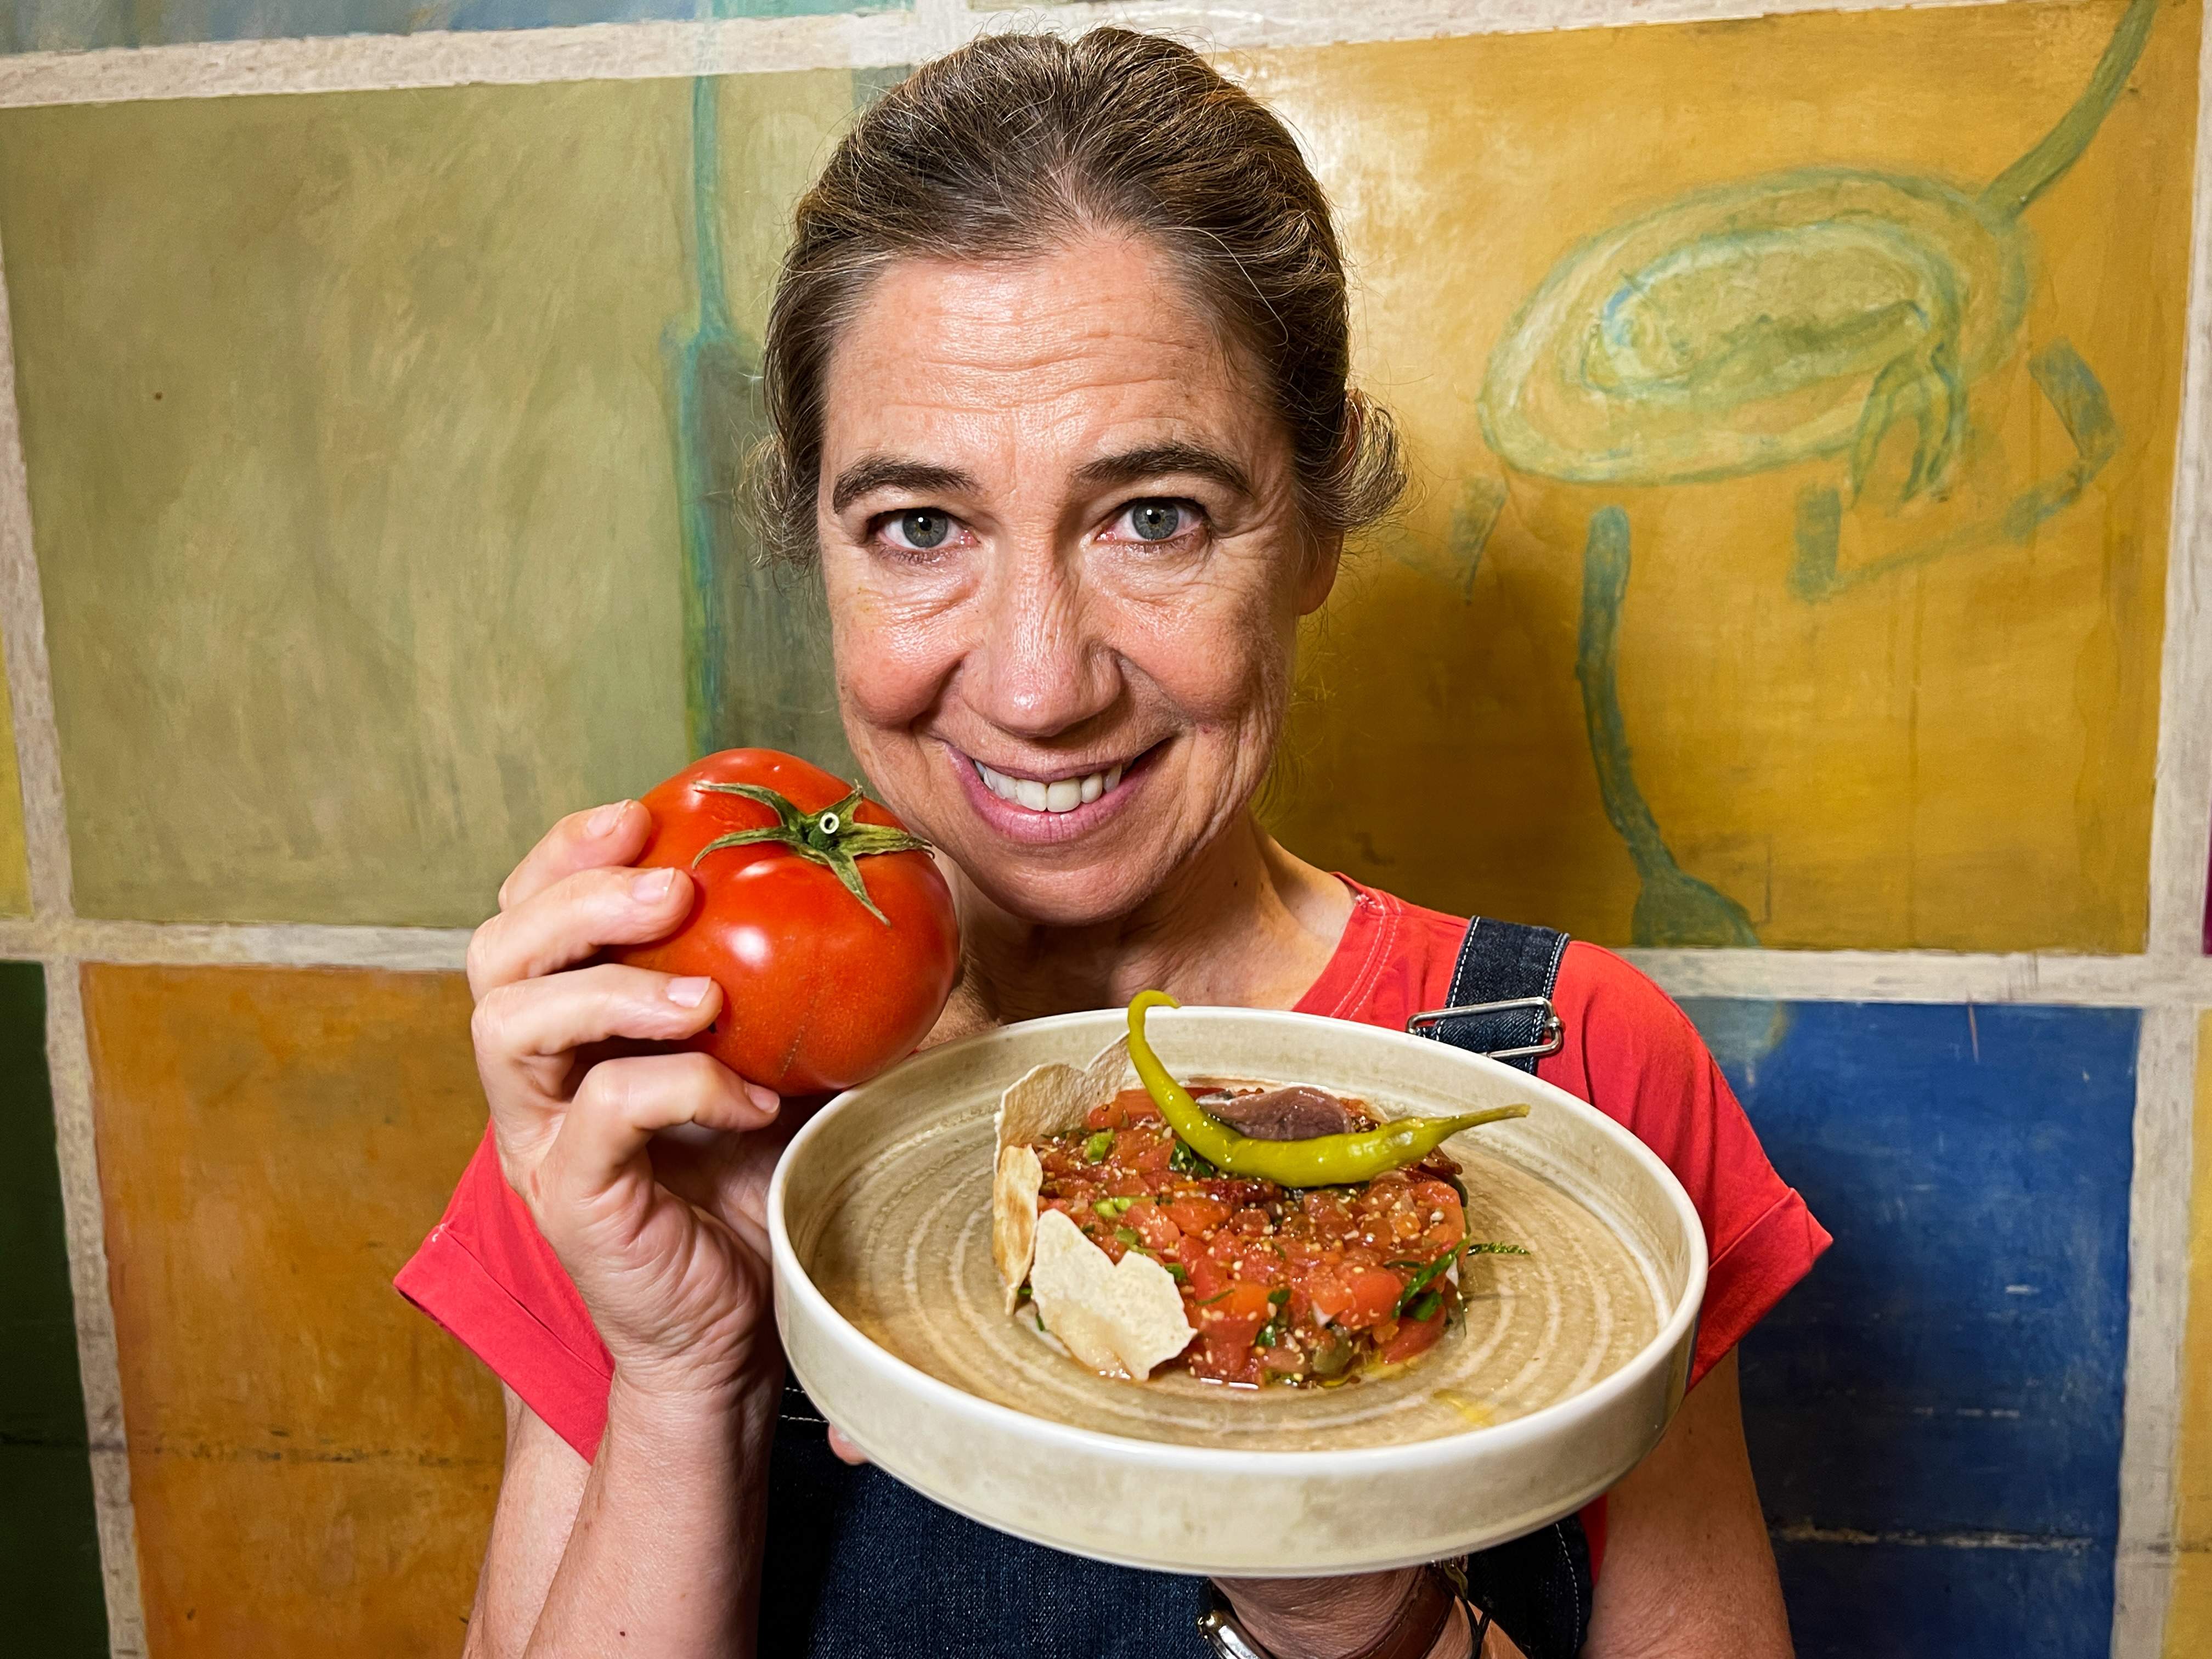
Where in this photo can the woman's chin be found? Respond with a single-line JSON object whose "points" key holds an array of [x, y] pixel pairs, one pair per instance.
{"points": [[1084, 897]]}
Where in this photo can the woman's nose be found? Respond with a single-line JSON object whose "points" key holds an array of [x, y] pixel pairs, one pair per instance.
{"points": [[1043, 670]]}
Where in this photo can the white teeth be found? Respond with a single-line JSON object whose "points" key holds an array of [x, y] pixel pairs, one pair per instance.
{"points": [[1062, 795]]}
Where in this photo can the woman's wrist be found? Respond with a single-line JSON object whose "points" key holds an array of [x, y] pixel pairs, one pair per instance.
{"points": [[1340, 1618], [696, 1413], [1321, 1618]]}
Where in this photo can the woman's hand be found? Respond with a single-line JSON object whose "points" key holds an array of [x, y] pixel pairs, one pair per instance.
{"points": [[663, 1236]]}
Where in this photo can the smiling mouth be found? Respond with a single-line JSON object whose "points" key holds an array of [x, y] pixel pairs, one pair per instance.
{"points": [[1061, 795]]}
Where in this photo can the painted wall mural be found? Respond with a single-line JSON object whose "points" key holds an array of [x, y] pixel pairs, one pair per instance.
{"points": [[313, 1464], [49, 1549], [1793, 405], [14, 869], [1867, 369], [1935, 1414], [2188, 1617], [78, 25]]}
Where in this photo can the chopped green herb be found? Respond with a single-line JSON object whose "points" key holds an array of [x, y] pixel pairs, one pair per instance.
{"points": [[1098, 1145], [1425, 1309], [1211, 1300], [1023, 1294], [1127, 1235], [1184, 1161], [1422, 1281], [1493, 1249], [1182, 1276], [1278, 1296]]}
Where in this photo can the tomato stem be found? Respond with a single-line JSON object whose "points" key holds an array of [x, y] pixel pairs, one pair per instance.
{"points": [[834, 837]]}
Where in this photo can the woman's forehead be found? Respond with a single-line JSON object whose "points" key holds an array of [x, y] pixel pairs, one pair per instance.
{"points": [[1097, 344]]}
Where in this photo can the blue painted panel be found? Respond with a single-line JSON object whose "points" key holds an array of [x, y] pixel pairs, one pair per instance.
{"points": [[1861, 1600], [79, 25], [1952, 1372]]}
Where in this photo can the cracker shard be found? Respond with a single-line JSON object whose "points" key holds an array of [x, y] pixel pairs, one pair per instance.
{"points": [[1047, 1101], [1121, 1318]]}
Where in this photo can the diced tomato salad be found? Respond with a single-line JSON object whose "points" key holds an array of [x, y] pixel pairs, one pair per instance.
{"points": [[1295, 1287]]}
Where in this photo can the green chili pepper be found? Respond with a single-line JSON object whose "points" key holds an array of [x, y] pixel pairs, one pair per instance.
{"points": [[1098, 1145], [1126, 1235], [1322, 1161]]}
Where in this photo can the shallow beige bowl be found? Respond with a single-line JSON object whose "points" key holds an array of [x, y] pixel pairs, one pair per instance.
{"points": [[1566, 1367]]}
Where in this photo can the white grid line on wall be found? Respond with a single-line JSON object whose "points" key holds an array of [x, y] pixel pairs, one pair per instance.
{"points": [[2158, 1316], [619, 52], [2161, 1190], [45, 834]]}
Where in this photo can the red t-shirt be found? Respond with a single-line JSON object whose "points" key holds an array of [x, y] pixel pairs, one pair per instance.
{"points": [[487, 1275]]}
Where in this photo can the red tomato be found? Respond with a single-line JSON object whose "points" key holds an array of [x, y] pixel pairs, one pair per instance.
{"points": [[1150, 1224], [1372, 1292], [1414, 1336], [818, 993], [1227, 1328], [1194, 1212]]}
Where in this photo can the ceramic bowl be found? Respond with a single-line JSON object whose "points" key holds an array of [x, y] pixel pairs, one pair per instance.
{"points": [[1566, 1367]]}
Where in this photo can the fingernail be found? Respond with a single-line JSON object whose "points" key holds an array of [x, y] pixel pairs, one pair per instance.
{"points": [[602, 822], [652, 885], [767, 1099], [688, 992]]}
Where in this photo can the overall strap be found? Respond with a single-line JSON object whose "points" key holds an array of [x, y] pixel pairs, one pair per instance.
{"points": [[1538, 1587], [1501, 994]]}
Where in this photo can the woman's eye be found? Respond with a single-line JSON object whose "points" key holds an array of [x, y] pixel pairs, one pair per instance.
{"points": [[921, 529], [1157, 521]]}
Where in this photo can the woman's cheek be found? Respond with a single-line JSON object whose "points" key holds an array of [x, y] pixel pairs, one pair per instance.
{"points": [[891, 659], [1223, 660]]}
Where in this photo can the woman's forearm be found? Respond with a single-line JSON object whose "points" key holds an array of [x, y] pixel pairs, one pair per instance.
{"points": [[664, 1559]]}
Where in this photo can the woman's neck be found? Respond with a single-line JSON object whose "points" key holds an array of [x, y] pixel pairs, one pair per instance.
{"points": [[1245, 924]]}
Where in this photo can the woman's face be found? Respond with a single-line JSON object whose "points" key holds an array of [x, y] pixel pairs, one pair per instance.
{"points": [[1065, 569]]}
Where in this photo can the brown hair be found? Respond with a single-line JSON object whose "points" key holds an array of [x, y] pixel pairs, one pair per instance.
{"points": [[1016, 143]]}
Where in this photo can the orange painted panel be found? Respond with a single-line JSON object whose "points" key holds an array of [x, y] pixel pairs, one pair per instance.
{"points": [[312, 1462]]}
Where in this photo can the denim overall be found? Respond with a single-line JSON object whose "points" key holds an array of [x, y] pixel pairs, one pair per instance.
{"points": [[858, 1565]]}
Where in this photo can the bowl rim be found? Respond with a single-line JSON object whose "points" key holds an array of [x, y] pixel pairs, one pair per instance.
{"points": [[1405, 1456]]}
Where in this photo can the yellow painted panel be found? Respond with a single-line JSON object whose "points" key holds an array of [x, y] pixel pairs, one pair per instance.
{"points": [[348, 423], [313, 1463], [15, 867], [1793, 433], [2189, 1614]]}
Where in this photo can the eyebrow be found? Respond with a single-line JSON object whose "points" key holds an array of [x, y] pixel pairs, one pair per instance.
{"points": [[1159, 460], [874, 472], [865, 477]]}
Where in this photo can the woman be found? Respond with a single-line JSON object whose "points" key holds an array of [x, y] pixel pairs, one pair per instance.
{"points": [[1057, 372]]}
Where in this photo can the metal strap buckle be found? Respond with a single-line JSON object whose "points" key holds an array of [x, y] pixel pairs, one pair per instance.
{"points": [[1555, 1034]]}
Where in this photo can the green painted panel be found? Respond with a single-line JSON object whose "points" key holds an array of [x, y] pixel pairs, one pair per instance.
{"points": [[15, 870], [49, 1547], [349, 436], [757, 637]]}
